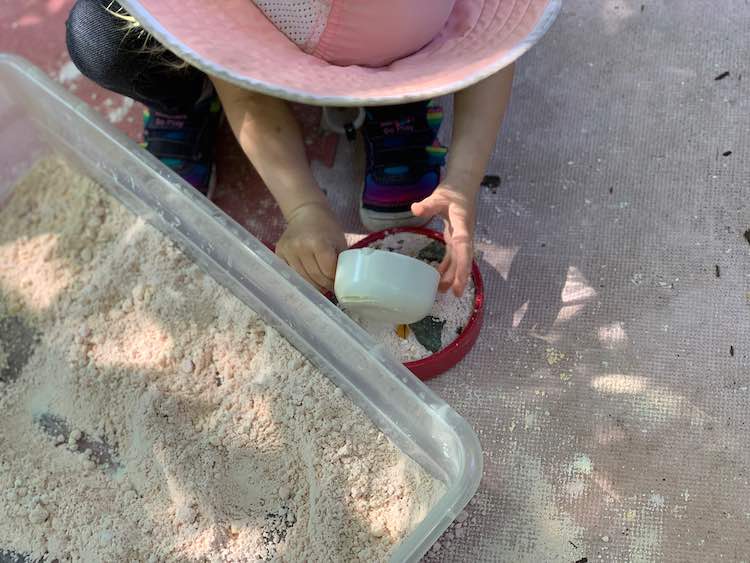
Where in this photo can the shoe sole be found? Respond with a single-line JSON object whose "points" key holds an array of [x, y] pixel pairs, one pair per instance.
{"points": [[375, 221]]}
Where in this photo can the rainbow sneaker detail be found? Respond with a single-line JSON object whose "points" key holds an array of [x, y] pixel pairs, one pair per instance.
{"points": [[403, 163], [185, 142]]}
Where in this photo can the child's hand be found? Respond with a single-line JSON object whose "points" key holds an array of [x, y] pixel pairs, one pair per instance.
{"points": [[458, 210], [312, 242], [477, 114]]}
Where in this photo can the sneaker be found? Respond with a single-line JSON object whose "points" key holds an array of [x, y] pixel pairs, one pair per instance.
{"points": [[403, 163], [185, 143]]}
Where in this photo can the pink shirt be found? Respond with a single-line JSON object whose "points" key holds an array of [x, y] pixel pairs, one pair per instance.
{"points": [[358, 32]]}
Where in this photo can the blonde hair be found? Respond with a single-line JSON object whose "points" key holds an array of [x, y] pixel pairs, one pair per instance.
{"points": [[129, 22], [132, 25]]}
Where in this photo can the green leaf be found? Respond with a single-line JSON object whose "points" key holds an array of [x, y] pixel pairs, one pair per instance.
{"points": [[429, 332]]}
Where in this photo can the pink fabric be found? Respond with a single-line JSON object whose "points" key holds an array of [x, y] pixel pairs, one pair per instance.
{"points": [[376, 33], [232, 39], [302, 21]]}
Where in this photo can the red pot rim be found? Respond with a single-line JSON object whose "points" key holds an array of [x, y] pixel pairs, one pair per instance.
{"points": [[439, 362]]}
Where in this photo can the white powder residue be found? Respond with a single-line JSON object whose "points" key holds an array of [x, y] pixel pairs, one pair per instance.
{"points": [[646, 538], [68, 73], [159, 419], [118, 114], [556, 534], [454, 311]]}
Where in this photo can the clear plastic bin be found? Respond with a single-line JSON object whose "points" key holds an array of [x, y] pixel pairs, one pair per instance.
{"points": [[38, 117]]}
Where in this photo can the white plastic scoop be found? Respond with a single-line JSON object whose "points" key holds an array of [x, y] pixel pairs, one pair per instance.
{"points": [[385, 286]]}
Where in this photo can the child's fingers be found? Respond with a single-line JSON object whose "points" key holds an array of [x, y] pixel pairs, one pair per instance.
{"points": [[461, 248], [447, 233], [310, 265], [458, 225], [430, 206], [446, 279], [327, 260], [443, 266], [462, 258], [296, 265]]}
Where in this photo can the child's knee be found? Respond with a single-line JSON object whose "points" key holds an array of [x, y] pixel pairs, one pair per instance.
{"points": [[94, 40]]}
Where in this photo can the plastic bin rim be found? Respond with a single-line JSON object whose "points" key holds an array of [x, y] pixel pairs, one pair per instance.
{"points": [[461, 492]]}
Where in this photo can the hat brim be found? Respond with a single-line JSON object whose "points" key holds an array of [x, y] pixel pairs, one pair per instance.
{"points": [[232, 40]]}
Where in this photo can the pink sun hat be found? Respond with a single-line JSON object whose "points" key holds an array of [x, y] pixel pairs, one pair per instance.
{"points": [[347, 52]]}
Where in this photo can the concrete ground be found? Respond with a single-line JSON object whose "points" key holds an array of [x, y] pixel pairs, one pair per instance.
{"points": [[610, 386]]}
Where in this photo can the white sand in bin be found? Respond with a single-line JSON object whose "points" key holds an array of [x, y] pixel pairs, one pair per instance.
{"points": [[159, 419], [454, 311]]}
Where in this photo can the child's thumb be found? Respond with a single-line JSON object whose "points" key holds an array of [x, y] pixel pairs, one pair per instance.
{"points": [[427, 207]]}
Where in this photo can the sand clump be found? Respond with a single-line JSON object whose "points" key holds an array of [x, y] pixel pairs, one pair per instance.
{"points": [[157, 418]]}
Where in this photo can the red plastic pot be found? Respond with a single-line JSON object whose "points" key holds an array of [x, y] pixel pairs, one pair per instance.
{"points": [[442, 361], [445, 359]]}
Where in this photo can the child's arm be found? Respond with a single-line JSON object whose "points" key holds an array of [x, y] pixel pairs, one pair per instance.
{"points": [[478, 114], [270, 136]]}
